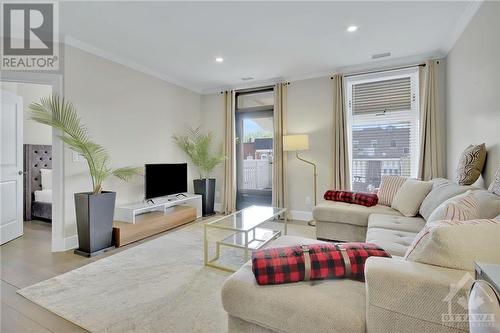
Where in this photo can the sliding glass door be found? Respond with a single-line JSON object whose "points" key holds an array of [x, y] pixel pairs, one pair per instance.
{"points": [[254, 147]]}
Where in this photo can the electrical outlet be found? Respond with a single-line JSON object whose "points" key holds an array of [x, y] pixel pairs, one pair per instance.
{"points": [[308, 201], [78, 157]]}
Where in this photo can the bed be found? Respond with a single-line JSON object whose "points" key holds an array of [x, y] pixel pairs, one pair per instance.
{"points": [[37, 182]]}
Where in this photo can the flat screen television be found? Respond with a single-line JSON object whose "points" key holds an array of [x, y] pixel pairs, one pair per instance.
{"points": [[164, 179]]}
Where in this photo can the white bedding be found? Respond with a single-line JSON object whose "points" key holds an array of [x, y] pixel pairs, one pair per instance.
{"points": [[43, 196]]}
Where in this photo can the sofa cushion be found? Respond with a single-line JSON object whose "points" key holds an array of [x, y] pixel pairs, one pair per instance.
{"points": [[410, 196], [442, 190], [495, 184], [489, 204], [322, 306], [396, 242], [401, 223], [341, 212], [460, 208], [457, 244]]}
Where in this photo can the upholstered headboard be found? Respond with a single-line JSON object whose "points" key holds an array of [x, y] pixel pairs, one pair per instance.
{"points": [[36, 157]]}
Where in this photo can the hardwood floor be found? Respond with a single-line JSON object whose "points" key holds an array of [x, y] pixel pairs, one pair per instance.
{"points": [[28, 260], [25, 261]]}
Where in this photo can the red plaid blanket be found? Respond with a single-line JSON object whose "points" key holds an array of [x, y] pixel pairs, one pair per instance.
{"points": [[313, 262], [358, 198]]}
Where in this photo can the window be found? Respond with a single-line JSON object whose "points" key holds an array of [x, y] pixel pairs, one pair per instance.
{"points": [[383, 121]]}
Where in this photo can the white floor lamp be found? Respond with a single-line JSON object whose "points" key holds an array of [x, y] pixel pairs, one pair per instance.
{"points": [[296, 143]]}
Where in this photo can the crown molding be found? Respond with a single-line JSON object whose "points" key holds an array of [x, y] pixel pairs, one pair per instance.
{"points": [[367, 66], [76, 43], [461, 25]]}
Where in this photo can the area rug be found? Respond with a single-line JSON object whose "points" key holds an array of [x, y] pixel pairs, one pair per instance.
{"points": [[157, 286]]}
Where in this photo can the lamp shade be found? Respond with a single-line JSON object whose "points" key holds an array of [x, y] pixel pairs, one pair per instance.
{"points": [[295, 142]]}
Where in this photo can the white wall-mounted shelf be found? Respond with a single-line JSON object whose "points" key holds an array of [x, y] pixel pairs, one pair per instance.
{"points": [[128, 213]]}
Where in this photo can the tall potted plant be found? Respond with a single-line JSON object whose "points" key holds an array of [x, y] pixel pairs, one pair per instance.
{"points": [[197, 145], [94, 210]]}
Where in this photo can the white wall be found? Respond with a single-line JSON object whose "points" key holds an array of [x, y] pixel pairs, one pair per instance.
{"points": [[212, 113], [33, 132], [310, 105], [473, 90], [131, 114]]}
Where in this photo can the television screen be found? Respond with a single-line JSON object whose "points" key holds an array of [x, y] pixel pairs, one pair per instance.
{"points": [[165, 179]]}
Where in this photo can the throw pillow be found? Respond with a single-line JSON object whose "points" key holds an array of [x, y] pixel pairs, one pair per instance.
{"points": [[456, 244], [471, 164], [462, 207], [357, 198], [442, 190], [46, 179], [388, 188], [495, 184], [410, 196]]}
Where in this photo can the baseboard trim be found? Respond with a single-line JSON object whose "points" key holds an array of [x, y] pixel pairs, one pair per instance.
{"points": [[300, 215]]}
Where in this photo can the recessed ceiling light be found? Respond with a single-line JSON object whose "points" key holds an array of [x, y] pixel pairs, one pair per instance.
{"points": [[352, 28], [219, 59]]}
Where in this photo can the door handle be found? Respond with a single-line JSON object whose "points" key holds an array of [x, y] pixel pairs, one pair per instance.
{"points": [[20, 172]]}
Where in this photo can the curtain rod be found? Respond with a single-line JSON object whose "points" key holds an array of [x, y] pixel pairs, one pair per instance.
{"points": [[383, 70]]}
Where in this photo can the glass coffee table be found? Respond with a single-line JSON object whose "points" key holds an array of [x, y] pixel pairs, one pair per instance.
{"points": [[247, 233]]}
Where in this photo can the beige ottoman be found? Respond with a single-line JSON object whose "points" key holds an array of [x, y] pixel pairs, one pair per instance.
{"points": [[322, 306]]}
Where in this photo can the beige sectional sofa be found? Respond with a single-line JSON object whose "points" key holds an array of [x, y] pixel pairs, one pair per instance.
{"points": [[346, 222], [398, 296]]}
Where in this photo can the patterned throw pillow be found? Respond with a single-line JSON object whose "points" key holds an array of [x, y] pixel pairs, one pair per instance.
{"points": [[388, 189], [471, 164], [456, 244], [462, 207], [495, 184]]}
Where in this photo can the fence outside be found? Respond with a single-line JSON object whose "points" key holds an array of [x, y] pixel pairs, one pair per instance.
{"points": [[257, 174]]}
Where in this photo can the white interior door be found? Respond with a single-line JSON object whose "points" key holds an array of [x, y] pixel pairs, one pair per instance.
{"points": [[11, 167]]}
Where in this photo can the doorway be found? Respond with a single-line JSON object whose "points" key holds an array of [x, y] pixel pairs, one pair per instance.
{"points": [[34, 140], [254, 147], [46, 205]]}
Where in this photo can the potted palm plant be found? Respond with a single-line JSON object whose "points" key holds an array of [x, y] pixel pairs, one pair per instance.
{"points": [[95, 209], [197, 145]]}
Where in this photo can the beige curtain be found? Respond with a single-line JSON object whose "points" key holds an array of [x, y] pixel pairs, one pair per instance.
{"points": [[279, 159], [431, 159], [229, 195], [341, 174]]}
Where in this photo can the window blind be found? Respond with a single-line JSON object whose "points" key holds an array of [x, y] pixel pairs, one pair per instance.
{"points": [[384, 128], [382, 96]]}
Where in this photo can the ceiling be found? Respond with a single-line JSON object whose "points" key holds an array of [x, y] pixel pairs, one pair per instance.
{"points": [[178, 41]]}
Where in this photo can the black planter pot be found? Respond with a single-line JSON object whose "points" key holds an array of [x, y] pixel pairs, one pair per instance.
{"points": [[206, 187], [94, 221]]}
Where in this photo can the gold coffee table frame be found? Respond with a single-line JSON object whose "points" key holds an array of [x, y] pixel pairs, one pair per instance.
{"points": [[247, 233]]}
